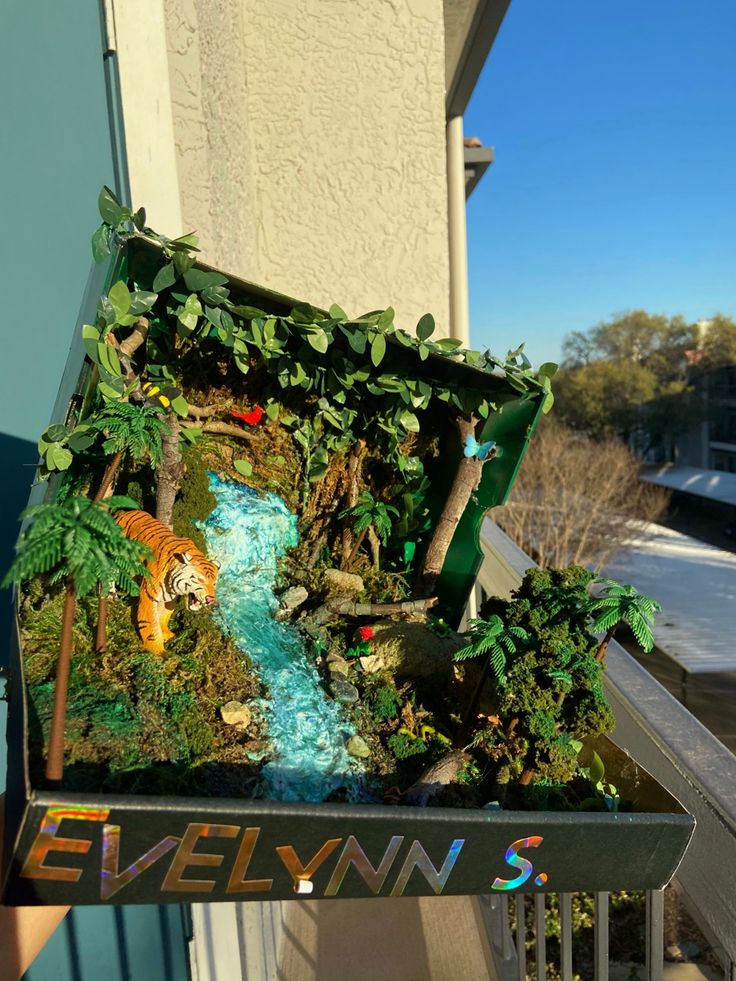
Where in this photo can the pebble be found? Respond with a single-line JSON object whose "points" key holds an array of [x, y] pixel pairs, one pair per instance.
{"points": [[343, 582], [290, 599], [344, 691], [356, 746], [371, 663], [339, 667], [236, 714]]}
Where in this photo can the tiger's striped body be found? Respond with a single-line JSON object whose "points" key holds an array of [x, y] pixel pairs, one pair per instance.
{"points": [[178, 568]]}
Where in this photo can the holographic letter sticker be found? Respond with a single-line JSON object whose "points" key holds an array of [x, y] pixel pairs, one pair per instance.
{"points": [[523, 864]]}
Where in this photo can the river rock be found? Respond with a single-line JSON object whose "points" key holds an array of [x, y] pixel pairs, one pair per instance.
{"points": [[371, 663], [358, 747], [342, 583], [236, 714], [344, 691], [290, 600], [339, 665], [410, 649]]}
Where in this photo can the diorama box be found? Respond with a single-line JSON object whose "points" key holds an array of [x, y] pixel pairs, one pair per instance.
{"points": [[88, 844]]}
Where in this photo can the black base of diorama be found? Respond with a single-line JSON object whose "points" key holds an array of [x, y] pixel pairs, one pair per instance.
{"points": [[84, 849]]}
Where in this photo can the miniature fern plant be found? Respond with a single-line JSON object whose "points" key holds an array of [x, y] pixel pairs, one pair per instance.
{"points": [[494, 638], [369, 513], [128, 428], [616, 604]]}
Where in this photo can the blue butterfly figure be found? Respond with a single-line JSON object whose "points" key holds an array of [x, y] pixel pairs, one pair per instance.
{"points": [[481, 450]]}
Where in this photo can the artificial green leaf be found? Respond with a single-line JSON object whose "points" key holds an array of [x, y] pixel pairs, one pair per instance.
{"points": [[58, 457], [141, 302], [90, 338], [55, 433], [357, 338], [182, 262], [272, 411], [214, 315], [188, 241], [425, 327], [165, 277], [109, 207], [82, 438], [596, 770], [101, 243], [119, 296], [180, 405], [548, 369], [243, 467], [448, 344], [423, 352], [386, 318], [200, 279], [548, 402], [139, 219], [215, 295], [409, 421], [107, 357], [319, 341], [378, 349], [250, 313], [337, 312]]}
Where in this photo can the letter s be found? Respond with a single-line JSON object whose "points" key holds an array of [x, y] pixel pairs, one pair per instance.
{"points": [[524, 865]]}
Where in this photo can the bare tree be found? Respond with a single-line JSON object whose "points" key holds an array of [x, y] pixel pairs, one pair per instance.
{"points": [[576, 501]]}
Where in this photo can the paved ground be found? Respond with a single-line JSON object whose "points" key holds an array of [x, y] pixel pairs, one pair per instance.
{"points": [[696, 585]]}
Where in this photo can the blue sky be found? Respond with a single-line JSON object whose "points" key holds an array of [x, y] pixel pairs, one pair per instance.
{"points": [[614, 184]]}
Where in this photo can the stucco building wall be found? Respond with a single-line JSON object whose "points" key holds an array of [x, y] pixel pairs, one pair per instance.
{"points": [[310, 140]]}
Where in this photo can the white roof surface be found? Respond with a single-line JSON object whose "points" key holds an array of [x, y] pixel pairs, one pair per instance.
{"points": [[713, 484], [696, 585]]}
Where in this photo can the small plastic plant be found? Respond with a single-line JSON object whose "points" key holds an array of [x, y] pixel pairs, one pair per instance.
{"points": [[617, 604]]}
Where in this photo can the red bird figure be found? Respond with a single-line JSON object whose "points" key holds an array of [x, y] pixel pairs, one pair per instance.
{"points": [[251, 418]]}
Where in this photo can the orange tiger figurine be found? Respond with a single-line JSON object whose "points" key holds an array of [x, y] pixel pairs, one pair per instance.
{"points": [[178, 568]]}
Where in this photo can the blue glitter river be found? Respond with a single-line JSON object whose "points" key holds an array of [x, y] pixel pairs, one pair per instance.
{"points": [[247, 533]]}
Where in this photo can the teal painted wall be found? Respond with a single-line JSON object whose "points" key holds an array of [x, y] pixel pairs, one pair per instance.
{"points": [[57, 152]]}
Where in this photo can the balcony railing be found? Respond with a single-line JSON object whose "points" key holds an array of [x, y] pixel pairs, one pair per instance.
{"points": [[663, 736]]}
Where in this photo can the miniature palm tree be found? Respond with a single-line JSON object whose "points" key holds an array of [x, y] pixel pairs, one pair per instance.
{"points": [[77, 542], [492, 638], [618, 604], [368, 513], [128, 428]]}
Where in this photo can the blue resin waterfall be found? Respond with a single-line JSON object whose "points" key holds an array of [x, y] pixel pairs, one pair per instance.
{"points": [[247, 533]]}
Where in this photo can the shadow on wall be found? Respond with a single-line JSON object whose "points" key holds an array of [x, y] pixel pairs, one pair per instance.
{"points": [[19, 457]]}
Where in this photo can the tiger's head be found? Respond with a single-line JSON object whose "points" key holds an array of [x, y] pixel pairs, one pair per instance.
{"points": [[194, 577]]}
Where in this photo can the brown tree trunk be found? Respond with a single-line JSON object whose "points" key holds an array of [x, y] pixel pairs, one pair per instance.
{"points": [[55, 757], [113, 465], [355, 461], [101, 632], [374, 544], [355, 549], [601, 652], [526, 778], [169, 474], [467, 479]]}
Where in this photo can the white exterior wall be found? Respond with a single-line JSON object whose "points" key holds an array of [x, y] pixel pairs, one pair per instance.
{"points": [[310, 138]]}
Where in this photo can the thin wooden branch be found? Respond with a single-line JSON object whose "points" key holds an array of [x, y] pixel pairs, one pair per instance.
{"points": [[350, 609], [204, 411], [137, 336], [221, 428]]}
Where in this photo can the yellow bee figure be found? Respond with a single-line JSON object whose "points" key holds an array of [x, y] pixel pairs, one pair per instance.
{"points": [[160, 396]]}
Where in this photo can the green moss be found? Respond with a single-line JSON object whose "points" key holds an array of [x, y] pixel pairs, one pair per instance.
{"points": [[139, 721], [403, 746], [195, 501], [384, 701]]}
